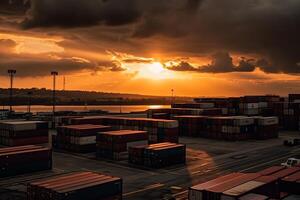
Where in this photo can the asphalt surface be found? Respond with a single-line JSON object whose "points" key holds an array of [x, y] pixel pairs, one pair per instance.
{"points": [[206, 159]]}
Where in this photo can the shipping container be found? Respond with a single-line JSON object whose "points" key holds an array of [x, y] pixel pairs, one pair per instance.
{"points": [[78, 138], [113, 144], [24, 159], [19, 133], [159, 130], [271, 170], [291, 183], [76, 186], [158, 155], [215, 192], [197, 192]]}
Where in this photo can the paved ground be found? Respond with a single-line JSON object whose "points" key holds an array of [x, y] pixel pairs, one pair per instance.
{"points": [[206, 159]]}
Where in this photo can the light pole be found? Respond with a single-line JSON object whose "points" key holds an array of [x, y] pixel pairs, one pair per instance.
{"points": [[54, 74], [11, 73], [172, 93], [29, 102]]}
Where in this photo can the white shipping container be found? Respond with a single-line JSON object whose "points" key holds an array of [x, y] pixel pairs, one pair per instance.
{"points": [[85, 140], [263, 104], [243, 121], [248, 105], [251, 111], [265, 121], [224, 129], [225, 111]]}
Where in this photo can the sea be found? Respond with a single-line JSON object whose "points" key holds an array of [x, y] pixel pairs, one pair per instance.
{"points": [[109, 108]]}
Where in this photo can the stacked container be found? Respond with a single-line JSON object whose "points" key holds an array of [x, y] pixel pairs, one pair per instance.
{"points": [[78, 138], [18, 133], [266, 127], [227, 128], [76, 186], [169, 113], [274, 183], [288, 114], [291, 183], [158, 155], [24, 159], [159, 130], [113, 144]]}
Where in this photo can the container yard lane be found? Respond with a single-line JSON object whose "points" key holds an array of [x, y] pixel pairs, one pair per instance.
{"points": [[206, 159]]}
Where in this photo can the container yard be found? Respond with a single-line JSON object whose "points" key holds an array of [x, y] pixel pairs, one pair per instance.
{"points": [[219, 149]]}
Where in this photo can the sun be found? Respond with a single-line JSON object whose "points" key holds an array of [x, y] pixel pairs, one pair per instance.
{"points": [[156, 68], [153, 71]]}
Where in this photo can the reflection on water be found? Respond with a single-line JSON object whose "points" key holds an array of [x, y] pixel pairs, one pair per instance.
{"points": [[113, 108]]}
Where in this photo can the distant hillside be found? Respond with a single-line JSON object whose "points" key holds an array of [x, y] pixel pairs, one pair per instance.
{"points": [[44, 97]]}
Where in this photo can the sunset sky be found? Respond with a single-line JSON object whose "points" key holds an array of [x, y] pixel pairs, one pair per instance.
{"points": [[196, 47]]}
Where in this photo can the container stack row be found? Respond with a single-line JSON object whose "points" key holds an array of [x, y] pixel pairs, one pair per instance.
{"points": [[76, 186], [276, 182], [169, 113], [78, 138], [115, 144], [158, 155], [18, 133], [159, 130], [288, 114], [228, 128], [24, 159], [246, 105], [266, 127]]}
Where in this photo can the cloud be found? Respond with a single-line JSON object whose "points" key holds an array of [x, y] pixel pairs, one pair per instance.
{"points": [[269, 29], [183, 66], [33, 65], [265, 29], [221, 63], [75, 13], [7, 44]]}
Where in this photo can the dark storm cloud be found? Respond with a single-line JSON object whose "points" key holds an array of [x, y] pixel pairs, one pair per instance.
{"points": [[268, 29], [74, 13], [221, 63], [34, 66]]}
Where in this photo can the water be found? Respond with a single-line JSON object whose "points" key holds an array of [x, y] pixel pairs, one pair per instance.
{"points": [[112, 108]]}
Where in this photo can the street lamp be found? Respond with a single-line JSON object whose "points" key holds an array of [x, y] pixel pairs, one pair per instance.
{"points": [[29, 102], [11, 73], [172, 93], [54, 74]]}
